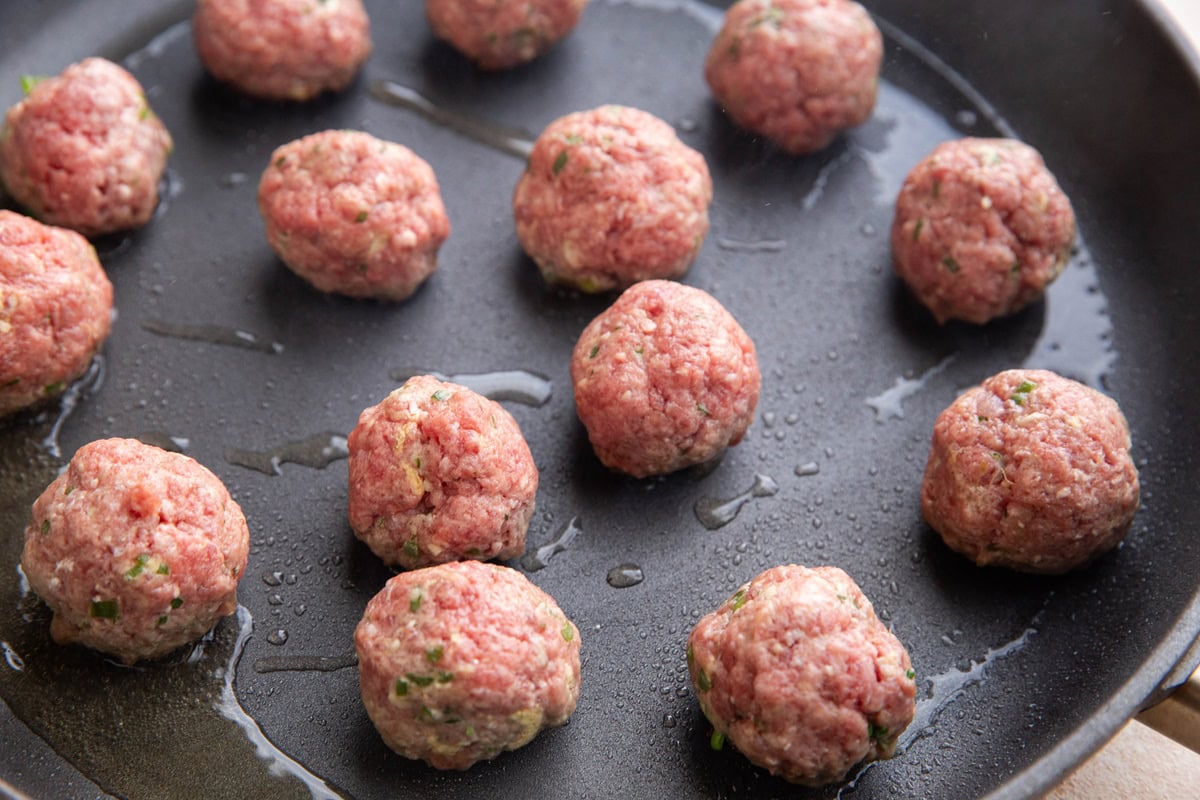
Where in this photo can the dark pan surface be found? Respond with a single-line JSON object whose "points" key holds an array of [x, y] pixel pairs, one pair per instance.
{"points": [[1020, 677]]}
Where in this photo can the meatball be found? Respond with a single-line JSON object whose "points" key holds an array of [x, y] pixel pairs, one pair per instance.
{"points": [[460, 661], [137, 551], [55, 309], [801, 676], [981, 229], [501, 35], [796, 71], [1031, 471], [611, 197], [353, 214], [282, 49], [664, 378], [84, 150], [440, 473]]}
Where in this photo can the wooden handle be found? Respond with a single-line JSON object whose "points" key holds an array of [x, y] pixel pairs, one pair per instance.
{"points": [[1178, 716]]}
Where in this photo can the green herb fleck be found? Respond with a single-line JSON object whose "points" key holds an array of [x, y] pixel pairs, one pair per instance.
{"points": [[876, 732], [559, 162], [402, 687], [1015, 269], [739, 599], [30, 81], [568, 631], [414, 601], [441, 395], [639, 349], [445, 677], [410, 548], [419, 680], [700, 407], [910, 674], [595, 350], [68, 490], [177, 602], [279, 162], [361, 216], [417, 462], [45, 526], [949, 263], [162, 620], [574, 138], [427, 713], [982, 418], [917, 229], [434, 654], [104, 609], [1022, 393], [144, 113], [55, 388], [11, 383], [163, 569], [937, 188], [702, 681], [717, 740], [139, 566]]}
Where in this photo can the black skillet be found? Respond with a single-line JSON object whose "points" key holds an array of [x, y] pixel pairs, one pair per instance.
{"points": [[1020, 677]]}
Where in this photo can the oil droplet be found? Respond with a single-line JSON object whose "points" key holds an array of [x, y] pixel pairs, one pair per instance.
{"points": [[516, 385], [306, 663], [277, 637], [278, 762], [272, 578], [232, 179], [212, 334], [807, 469], [814, 194], [751, 246], [12, 657], [507, 140], [714, 513], [317, 452], [164, 441], [88, 383], [540, 558], [623, 576], [888, 404], [668, 720]]}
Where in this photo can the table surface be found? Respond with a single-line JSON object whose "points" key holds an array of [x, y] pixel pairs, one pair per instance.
{"points": [[1138, 762]]}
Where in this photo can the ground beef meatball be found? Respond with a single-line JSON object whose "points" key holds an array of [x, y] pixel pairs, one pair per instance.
{"points": [[136, 550], [461, 661], [439, 473], [1031, 471], [611, 197], [282, 49], [501, 35], [796, 71], [353, 214], [664, 379], [981, 229], [84, 150], [55, 309], [800, 675]]}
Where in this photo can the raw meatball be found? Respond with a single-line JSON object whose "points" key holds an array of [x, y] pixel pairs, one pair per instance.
{"points": [[440, 473], [461, 661], [353, 214], [137, 551], [84, 150], [55, 309], [1030, 471], [981, 229], [611, 197], [282, 49], [801, 676], [664, 379], [500, 35], [796, 71]]}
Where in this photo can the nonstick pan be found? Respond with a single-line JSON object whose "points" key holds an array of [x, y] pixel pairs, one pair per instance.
{"points": [[222, 353]]}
